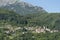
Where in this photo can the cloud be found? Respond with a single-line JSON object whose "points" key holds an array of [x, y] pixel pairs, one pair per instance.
{"points": [[4, 2]]}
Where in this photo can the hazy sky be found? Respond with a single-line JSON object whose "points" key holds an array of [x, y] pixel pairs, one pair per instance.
{"points": [[48, 5]]}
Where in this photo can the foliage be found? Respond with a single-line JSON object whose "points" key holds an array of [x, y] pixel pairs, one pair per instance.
{"points": [[50, 20]]}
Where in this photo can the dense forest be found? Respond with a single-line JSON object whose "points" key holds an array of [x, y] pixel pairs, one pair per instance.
{"points": [[9, 20]]}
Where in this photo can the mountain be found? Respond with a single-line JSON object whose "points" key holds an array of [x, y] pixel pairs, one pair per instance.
{"points": [[24, 8], [23, 21], [18, 26], [32, 15], [5, 2]]}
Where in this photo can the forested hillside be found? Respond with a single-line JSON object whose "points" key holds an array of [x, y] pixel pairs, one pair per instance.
{"points": [[11, 22], [11, 17], [51, 20]]}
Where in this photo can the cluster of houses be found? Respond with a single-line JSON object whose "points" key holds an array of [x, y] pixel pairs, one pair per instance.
{"points": [[37, 29], [40, 29], [44, 29]]}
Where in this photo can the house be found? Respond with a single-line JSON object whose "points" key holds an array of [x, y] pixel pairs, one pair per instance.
{"points": [[39, 30]]}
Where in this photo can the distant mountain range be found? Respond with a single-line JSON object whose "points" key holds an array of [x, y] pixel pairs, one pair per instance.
{"points": [[23, 8]]}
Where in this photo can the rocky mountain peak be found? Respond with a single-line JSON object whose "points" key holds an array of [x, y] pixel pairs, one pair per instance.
{"points": [[23, 8]]}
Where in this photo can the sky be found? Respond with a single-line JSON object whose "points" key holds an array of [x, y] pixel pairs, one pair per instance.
{"points": [[48, 5]]}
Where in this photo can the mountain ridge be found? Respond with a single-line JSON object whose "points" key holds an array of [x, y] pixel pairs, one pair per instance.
{"points": [[24, 8]]}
